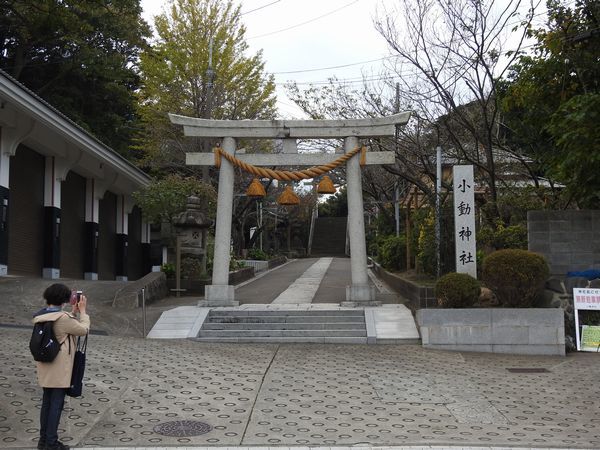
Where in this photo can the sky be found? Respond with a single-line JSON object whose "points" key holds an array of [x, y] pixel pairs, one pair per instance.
{"points": [[325, 33], [308, 40]]}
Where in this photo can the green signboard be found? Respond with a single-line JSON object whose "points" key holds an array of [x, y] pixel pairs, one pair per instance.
{"points": [[590, 338]]}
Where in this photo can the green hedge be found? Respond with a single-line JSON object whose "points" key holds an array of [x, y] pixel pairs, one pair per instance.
{"points": [[457, 290], [516, 276]]}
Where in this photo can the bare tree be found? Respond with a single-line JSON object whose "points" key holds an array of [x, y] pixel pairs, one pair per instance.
{"points": [[414, 147], [450, 59]]}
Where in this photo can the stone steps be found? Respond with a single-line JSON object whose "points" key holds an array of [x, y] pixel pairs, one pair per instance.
{"points": [[281, 333], [285, 326], [329, 236], [286, 340], [288, 319]]}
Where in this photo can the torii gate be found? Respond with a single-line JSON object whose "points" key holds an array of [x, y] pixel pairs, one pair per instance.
{"points": [[220, 293]]}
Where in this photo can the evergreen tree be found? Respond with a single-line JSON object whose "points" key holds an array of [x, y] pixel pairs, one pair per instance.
{"points": [[80, 56], [176, 78], [552, 99]]}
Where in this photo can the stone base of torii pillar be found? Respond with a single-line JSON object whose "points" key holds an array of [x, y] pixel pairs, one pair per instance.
{"points": [[218, 295], [360, 293]]}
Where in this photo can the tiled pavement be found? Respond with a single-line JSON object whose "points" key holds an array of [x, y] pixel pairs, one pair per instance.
{"points": [[436, 447], [307, 395]]}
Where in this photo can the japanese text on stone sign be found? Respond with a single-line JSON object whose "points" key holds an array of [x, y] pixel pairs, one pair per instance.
{"points": [[464, 220]]}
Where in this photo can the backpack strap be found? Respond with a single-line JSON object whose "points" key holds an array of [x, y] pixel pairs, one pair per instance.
{"points": [[68, 335]]}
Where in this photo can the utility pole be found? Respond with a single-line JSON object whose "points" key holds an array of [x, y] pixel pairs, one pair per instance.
{"points": [[396, 184], [438, 194]]}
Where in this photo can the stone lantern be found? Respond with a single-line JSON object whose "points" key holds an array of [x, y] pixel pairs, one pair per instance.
{"points": [[191, 226]]}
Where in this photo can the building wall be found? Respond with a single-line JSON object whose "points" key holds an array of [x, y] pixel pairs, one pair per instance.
{"points": [[26, 213], [135, 259], [107, 242], [72, 242], [569, 240]]}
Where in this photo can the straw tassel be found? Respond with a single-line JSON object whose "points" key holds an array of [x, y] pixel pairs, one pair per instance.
{"points": [[217, 152], [363, 155], [256, 189], [288, 197], [326, 186]]}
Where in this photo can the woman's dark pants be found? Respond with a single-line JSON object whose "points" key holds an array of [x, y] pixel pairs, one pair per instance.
{"points": [[52, 406]]}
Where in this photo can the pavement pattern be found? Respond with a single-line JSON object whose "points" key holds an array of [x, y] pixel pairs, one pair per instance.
{"points": [[307, 395]]}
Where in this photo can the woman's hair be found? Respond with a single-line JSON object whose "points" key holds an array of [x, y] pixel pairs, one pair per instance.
{"points": [[57, 294]]}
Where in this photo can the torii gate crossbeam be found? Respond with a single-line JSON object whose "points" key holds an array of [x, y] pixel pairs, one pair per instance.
{"points": [[359, 293]]}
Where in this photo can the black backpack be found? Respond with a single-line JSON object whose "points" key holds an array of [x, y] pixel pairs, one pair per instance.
{"points": [[43, 343]]}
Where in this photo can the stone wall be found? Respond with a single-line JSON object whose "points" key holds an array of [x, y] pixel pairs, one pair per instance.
{"points": [[569, 240], [129, 297], [528, 331], [418, 295]]}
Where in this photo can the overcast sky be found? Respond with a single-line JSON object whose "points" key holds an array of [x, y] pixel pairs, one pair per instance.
{"points": [[302, 35], [322, 33]]}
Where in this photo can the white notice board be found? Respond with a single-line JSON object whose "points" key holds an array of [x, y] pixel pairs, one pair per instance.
{"points": [[584, 298]]}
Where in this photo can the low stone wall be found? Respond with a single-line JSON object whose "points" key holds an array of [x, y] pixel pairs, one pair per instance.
{"points": [[129, 297], [277, 261], [419, 296], [241, 275], [261, 266], [525, 331]]}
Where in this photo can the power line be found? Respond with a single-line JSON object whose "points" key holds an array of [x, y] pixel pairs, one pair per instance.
{"points": [[353, 80], [303, 23], [259, 8], [334, 67]]}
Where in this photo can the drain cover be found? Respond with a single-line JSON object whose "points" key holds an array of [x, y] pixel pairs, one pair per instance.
{"points": [[181, 428], [528, 370]]}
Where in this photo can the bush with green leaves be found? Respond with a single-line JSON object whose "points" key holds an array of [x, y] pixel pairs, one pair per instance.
{"points": [[392, 252], [500, 237], [424, 229], [191, 268], [257, 253], [457, 290], [516, 276], [168, 269], [235, 264]]}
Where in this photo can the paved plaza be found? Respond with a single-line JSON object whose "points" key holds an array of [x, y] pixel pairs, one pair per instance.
{"points": [[159, 393], [307, 395]]}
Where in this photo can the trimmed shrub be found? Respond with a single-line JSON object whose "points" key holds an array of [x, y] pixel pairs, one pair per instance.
{"points": [[392, 252], [257, 253], [516, 276], [457, 290]]}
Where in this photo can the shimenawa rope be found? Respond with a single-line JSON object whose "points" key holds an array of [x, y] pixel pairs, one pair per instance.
{"points": [[286, 175]]}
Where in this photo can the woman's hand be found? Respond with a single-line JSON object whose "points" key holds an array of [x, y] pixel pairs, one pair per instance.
{"points": [[81, 304]]}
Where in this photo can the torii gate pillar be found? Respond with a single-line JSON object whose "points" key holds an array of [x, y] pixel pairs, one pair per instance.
{"points": [[359, 293], [220, 292]]}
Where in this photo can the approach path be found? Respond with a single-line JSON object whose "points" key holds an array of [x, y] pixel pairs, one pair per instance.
{"points": [[311, 283]]}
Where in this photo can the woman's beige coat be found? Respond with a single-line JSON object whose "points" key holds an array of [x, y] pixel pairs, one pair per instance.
{"points": [[57, 374]]}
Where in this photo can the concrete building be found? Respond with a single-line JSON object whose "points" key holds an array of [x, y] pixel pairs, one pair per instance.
{"points": [[65, 198]]}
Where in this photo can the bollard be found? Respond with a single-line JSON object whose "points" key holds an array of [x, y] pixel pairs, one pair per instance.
{"points": [[144, 310]]}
